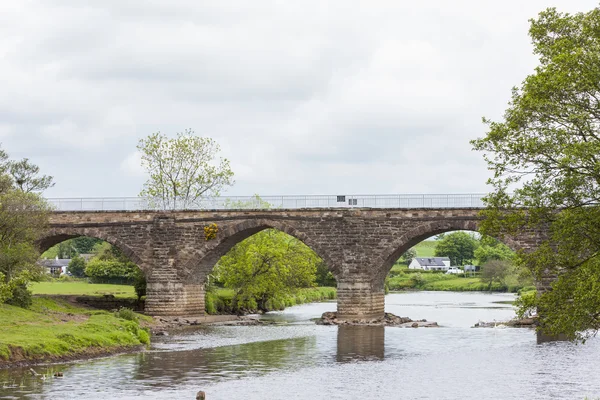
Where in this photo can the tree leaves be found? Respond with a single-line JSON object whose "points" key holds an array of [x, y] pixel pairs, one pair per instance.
{"points": [[545, 155], [182, 170]]}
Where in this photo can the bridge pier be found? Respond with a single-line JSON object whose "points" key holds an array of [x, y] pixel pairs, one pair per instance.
{"points": [[359, 300], [174, 298]]}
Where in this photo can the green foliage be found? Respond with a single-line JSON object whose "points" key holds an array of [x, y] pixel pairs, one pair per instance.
{"points": [[77, 266], [572, 307], [111, 271], [182, 170], [220, 301], [257, 203], [126, 313], [458, 246], [26, 178], [324, 277], [495, 271], [139, 283], [493, 251], [20, 296], [84, 244], [544, 154], [267, 265], [408, 256]]}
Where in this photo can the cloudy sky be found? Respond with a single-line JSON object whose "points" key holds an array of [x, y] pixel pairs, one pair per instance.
{"points": [[305, 97]]}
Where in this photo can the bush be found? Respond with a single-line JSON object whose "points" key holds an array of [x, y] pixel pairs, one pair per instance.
{"points": [[139, 284], [126, 313], [77, 266], [20, 296], [111, 271]]}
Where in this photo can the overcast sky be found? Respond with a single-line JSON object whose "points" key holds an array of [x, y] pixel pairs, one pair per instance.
{"points": [[304, 97]]}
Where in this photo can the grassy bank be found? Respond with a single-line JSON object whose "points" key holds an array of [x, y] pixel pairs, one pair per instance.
{"points": [[53, 330], [57, 287], [220, 301], [402, 279]]}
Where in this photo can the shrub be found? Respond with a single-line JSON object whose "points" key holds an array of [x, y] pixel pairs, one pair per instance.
{"points": [[111, 271], [77, 266], [126, 313], [139, 284], [20, 296]]}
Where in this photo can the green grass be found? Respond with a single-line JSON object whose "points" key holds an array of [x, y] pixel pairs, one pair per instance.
{"points": [[54, 328], [426, 248], [81, 288], [420, 280]]}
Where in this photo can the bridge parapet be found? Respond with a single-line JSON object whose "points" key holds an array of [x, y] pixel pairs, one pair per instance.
{"points": [[469, 200]]}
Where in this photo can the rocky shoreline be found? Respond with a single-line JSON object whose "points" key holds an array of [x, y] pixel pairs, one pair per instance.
{"points": [[513, 323], [389, 319], [163, 325]]}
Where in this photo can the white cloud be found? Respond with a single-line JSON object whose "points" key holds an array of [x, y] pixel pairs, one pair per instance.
{"points": [[132, 165], [304, 97]]}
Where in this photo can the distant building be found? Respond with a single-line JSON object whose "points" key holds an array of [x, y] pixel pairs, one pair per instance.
{"points": [[430, 263], [56, 266], [471, 268]]}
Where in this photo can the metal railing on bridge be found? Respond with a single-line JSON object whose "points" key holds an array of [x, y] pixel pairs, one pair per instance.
{"points": [[263, 202]]}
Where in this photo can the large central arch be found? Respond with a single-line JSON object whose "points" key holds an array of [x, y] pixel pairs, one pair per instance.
{"points": [[199, 265]]}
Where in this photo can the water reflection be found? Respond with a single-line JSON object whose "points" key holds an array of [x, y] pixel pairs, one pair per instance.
{"points": [[360, 343], [297, 359], [170, 368]]}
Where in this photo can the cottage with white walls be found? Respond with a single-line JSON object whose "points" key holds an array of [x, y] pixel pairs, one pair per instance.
{"points": [[430, 263], [56, 266]]}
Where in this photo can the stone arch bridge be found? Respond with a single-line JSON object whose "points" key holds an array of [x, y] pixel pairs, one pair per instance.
{"points": [[359, 245]]}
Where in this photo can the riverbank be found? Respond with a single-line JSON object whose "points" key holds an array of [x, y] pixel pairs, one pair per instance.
{"points": [[404, 279], [221, 301], [55, 330]]}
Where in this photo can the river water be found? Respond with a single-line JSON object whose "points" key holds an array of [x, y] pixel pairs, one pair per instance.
{"points": [[296, 359]]}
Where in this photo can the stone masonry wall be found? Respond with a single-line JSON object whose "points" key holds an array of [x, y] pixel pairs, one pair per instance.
{"points": [[358, 245]]}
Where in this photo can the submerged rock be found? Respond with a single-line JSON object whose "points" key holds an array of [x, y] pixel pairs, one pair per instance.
{"points": [[389, 319]]}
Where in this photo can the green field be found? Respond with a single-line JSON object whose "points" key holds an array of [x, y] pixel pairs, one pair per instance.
{"points": [[81, 288], [426, 248], [54, 328]]}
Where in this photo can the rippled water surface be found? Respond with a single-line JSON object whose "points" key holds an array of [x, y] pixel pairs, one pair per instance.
{"points": [[296, 359]]}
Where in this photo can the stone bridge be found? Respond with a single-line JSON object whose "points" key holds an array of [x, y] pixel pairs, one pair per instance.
{"points": [[359, 246]]}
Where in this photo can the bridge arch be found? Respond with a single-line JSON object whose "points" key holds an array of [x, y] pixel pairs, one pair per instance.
{"points": [[199, 265], [58, 235], [412, 237]]}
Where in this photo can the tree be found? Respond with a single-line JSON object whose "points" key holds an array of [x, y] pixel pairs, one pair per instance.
{"points": [[266, 266], [544, 154], [494, 251], [182, 170], [77, 266], [323, 276], [408, 256], [26, 176], [495, 271], [84, 244], [458, 246], [23, 220]]}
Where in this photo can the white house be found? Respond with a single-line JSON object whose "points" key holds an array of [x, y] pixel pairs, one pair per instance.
{"points": [[430, 263], [56, 266]]}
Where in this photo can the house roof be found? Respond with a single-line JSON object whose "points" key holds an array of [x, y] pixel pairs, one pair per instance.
{"points": [[55, 262], [432, 261]]}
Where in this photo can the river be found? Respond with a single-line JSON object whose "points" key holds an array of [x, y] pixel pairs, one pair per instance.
{"points": [[296, 359]]}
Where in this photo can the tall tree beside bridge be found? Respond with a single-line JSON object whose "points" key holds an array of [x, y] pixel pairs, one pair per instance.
{"points": [[23, 220], [182, 170], [545, 157]]}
